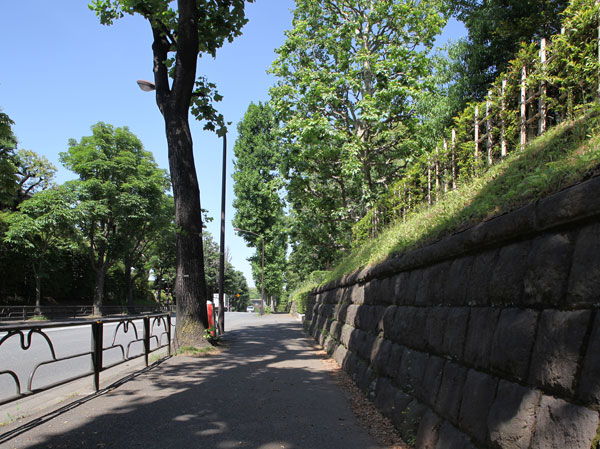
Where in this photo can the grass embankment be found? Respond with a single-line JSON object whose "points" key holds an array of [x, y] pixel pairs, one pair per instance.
{"points": [[566, 155]]}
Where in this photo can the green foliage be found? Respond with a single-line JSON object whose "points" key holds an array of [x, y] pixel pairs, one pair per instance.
{"points": [[300, 295], [257, 203], [8, 169], [570, 79], [562, 157], [118, 194], [34, 174], [496, 30], [348, 76], [217, 22]]}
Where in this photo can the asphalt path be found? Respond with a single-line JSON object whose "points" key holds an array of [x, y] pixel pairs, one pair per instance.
{"points": [[269, 389]]}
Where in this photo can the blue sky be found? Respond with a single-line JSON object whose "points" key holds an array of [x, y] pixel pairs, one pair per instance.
{"points": [[62, 72]]}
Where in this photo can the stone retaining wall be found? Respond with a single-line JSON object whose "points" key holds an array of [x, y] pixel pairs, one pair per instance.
{"points": [[489, 338]]}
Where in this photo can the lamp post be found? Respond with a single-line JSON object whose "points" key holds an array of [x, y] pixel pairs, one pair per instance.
{"points": [[262, 278], [221, 325]]}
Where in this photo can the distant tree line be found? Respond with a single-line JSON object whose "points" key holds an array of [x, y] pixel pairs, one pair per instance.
{"points": [[106, 238]]}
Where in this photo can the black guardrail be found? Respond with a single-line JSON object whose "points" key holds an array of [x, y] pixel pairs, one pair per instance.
{"points": [[23, 313], [156, 329]]}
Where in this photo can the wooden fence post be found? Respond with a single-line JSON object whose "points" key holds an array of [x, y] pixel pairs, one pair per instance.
{"points": [[523, 103], [542, 100], [453, 143], [476, 124], [597, 4], [488, 128], [502, 121], [445, 172], [429, 180]]}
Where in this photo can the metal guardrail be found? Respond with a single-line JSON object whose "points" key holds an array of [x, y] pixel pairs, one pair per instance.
{"points": [[23, 313], [25, 332]]}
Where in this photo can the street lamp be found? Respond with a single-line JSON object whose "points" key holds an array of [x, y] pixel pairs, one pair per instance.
{"points": [[262, 279], [146, 86]]}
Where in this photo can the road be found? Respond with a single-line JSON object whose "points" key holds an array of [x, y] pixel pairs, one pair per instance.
{"points": [[268, 389], [69, 341]]}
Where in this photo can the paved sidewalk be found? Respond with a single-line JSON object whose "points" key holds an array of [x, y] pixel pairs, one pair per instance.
{"points": [[269, 390]]}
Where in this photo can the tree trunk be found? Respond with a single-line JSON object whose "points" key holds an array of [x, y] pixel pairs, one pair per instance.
{"points": [[190, 283], [159, 293], [99, 290], [38, 291], [129, 284], [173, 101]]}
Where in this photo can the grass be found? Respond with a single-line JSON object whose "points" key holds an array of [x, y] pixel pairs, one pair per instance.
{"points": [[199, 352], [566, 155]]}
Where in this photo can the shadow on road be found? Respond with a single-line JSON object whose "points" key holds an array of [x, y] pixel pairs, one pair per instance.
{"points": [[268, 390]]}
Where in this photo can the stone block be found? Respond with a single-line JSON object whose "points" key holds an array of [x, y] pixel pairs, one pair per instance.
{"points": [[584, 278], [557, 349], [431, 289], [385, 291], [403, 323], [408, 422], [451, 438], [357, 294], [365, 378], [386, 323], [400, 287], [380, 355], [478, 396], [412, 370], [351, 364], [346, 334], [512, 343], [480, 335], [432, 380], [435, 328], [340, 354], [579, 201], [457, 281], [340, 312], [561, 425], [512, 416], [478, 290], [385, 394], [335, 329], [329, 345], [429, 429], [357, 338], [393, 365], [415, 337], [374, 317], [351, 312], [451, 391], [506, 284], [456, 332], [548, 264], [414, 281], [589, 382], [363, 317]]}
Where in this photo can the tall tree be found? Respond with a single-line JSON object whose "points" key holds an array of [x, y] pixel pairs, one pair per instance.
{"points": [[348, 74], [117, 191], [496, 29], [34, 174], [258, 205], [43, 223], [8, 169], [181, 33]]}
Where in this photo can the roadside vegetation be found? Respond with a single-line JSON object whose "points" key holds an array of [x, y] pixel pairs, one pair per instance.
{"points": [[566, 155]]}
